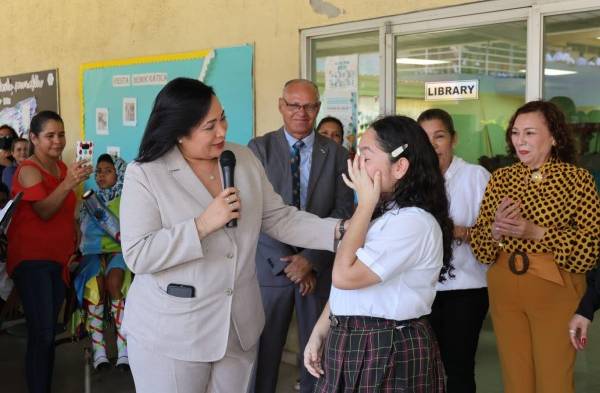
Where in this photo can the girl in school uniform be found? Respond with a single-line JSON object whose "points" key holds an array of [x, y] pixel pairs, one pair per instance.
{"points": [[374, 335]]}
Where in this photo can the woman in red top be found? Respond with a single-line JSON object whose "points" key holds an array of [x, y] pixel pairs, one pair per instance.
{"points": [[42, 239]]}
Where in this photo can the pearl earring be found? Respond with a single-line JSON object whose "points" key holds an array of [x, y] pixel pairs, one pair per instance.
{"points": [[180, 141]]}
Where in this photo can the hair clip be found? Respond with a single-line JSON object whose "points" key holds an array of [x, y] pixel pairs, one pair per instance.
{"points": [[399, 150]]}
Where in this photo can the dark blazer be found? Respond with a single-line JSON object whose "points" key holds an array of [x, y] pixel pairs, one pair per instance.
{"points": [[327, 196], [591, 299]]}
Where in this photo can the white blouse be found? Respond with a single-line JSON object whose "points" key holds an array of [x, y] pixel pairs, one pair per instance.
{"points": [[465, 186], [404, 248]]}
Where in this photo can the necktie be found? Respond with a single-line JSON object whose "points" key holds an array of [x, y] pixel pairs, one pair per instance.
{"points": [[295, 165]]}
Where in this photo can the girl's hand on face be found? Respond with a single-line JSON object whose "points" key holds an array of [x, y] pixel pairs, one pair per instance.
{"points": [[367, 189]]}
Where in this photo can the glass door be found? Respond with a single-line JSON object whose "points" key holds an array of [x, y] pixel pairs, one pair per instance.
{"points": [[571, 78], [347, 70], [477, 74]]}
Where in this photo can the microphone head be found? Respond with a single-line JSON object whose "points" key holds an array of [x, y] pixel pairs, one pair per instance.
{"points": [[227, 158]]}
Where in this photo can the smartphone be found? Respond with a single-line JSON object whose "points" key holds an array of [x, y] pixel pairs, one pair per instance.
{"points": [[181, 290], [84, 150], [277, 266]]}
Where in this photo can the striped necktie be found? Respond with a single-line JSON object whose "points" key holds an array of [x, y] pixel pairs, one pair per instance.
{"points": [[295, 165]]}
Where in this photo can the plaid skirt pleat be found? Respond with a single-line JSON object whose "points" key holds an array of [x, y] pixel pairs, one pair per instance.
{"points": [[365, 355]]}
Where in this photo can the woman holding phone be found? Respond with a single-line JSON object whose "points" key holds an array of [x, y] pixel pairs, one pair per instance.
{"points": [[42, 240]]}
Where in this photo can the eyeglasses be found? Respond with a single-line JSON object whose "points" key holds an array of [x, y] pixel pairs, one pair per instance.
{"points": [[308, 108]]}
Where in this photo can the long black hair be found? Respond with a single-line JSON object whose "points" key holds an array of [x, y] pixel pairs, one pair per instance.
{"points": [[178, 107], [423, 184]]}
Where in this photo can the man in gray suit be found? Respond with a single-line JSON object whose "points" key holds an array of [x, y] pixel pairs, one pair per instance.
{"points": [[305, 169]]}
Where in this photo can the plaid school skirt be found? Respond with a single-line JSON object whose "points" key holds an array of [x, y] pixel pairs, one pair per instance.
{"points": [[366, 354]]}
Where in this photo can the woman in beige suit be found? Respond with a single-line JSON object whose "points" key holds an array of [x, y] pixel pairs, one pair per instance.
{"points": [[194, 312]]}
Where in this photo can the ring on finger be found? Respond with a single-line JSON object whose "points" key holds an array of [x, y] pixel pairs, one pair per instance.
{"points": [[227, 199]]}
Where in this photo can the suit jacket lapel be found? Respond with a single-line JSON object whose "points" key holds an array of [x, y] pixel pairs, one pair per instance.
{"points": [[282, 154], [319, 156], [188, 180]]}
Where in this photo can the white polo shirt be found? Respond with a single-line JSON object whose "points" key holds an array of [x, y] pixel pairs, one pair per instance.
{"points": [[465, 186], [404, 248]]}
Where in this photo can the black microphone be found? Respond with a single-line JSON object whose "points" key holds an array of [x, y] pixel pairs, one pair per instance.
{"points": [[227, 161]]}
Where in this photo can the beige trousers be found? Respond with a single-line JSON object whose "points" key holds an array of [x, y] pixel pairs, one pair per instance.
{"points": [[156, 373], [531, 317]]}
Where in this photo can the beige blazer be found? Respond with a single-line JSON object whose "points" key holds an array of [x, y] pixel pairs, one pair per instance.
{"points": [[161, 246]]}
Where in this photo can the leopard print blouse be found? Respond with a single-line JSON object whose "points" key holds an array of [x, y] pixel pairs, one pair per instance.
{"points": [[565, 202]]}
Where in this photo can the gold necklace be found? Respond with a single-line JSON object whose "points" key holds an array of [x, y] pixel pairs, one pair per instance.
{"points": [[199, 172], [210, 173]]}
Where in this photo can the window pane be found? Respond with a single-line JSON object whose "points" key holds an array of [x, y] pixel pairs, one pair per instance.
{"points": [[346, 69], [494, 55], [572, 77]]}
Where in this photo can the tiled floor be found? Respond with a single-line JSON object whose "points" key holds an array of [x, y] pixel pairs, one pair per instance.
{"points": [[69, 370]]}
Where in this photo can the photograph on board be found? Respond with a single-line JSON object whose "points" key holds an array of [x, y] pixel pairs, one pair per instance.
{"points": [[102, 121], [130, 111]]}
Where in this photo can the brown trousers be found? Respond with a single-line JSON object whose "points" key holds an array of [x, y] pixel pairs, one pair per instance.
{"points": [[531, 316]]}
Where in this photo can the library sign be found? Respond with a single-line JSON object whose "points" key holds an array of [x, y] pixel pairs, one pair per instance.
{"points": [[456, 90]]}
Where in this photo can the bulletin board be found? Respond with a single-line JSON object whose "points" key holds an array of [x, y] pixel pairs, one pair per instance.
{"points": [[117, 96], [24, 95]]}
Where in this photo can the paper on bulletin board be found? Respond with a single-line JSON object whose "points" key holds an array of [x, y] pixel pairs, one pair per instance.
{"points": [[22, 95], [129, 111], [127, 89], [341, 73], [342, 105], [339, 98], [101, 121]]}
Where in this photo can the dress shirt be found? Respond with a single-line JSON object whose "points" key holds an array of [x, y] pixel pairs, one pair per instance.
{"points": [[305, 162]]}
